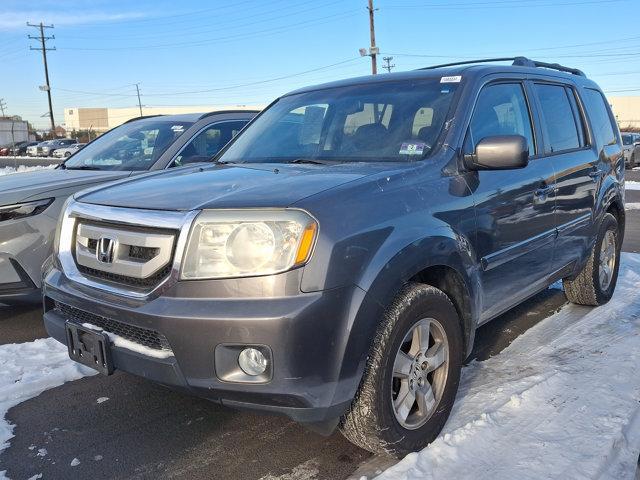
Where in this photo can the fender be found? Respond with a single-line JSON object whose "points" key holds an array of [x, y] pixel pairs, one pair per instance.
{"points": [[381, 282]]}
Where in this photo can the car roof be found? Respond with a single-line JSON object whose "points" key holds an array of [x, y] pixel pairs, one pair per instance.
{"points": [[194, 117], [470, 71]]}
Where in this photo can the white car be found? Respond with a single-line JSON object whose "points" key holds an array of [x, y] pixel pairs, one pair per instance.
{"points": [[67, 151]]}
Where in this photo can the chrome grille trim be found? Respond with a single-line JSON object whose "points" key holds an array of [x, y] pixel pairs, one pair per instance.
{"points": [[77, 212]]}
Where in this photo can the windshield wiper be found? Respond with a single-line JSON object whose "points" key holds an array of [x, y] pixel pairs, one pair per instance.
{"points": [[312, 161], [82, 167]]}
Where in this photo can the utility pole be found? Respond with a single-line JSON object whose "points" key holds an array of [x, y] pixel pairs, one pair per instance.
{"points": [[388, 66], [43, 49], [373, 51], [139, 103]]}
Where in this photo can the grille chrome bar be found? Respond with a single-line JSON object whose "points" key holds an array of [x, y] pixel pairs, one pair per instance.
{"points": [[159, 246], [78, 213]]}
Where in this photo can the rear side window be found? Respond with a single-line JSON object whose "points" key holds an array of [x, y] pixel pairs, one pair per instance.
{"points": [[501, 109], [601, 123], [559, 123]]}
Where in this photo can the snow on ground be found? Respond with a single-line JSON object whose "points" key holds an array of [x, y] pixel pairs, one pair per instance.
{"points": [[23, 168], [562, 401], [631, 185], [27, 370]]}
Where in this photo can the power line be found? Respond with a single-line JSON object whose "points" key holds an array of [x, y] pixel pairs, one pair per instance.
{"points": [[44, 49]]}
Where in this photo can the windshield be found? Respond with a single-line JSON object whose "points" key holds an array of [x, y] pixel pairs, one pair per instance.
{"points": [[627, 139], [132, 146], [395, 121]]}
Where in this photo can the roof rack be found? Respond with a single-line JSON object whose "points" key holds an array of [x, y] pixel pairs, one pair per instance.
{"points": [[517, 61]]}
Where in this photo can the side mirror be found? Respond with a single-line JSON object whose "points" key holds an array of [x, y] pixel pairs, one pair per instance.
{"points": [[501, 152]]}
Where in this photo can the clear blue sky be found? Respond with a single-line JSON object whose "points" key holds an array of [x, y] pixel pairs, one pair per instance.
{"points": [[226, 47]]}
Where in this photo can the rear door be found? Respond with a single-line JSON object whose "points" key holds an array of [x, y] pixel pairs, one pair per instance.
{"points": [[566, 144], [514, 208]]}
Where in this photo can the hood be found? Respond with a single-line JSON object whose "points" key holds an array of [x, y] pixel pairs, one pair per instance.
{"points": [[17, 187], [229, 186]]}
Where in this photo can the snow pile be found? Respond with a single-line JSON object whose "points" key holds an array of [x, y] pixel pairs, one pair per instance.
{"points": [[562, 401], [24, 168], [27, 370]]}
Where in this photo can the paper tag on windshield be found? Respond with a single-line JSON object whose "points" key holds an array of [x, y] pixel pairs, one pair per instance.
{"points": [[412, 148], [451, 79]]}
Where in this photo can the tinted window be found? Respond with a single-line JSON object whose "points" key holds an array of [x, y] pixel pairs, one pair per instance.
{"points": [[356, 123], [598, 113], [558, 121], [207, 143], [501, 109], [627, 140]]}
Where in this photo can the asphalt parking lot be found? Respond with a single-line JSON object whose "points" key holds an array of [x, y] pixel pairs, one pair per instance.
{"points": [[147, 431]]}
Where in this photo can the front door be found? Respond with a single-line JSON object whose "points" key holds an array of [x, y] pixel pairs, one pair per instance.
{"points": [[514, 208]]}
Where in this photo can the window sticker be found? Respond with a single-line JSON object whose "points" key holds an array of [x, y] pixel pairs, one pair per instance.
{"points": [[412, 148], [178, 128], [451, 79]]}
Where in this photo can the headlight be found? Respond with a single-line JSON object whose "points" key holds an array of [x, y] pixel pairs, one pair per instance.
{"points": [[244, 243], [21, 210]]}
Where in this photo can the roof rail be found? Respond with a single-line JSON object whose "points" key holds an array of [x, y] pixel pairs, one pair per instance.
{"points": [[231, 110], [517, 61]]}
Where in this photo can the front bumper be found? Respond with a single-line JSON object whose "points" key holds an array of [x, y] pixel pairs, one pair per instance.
{"points": [[25, 244], [307, 335]]}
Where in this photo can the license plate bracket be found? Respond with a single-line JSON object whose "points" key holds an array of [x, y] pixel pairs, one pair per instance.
{"points": [[89, 347]]}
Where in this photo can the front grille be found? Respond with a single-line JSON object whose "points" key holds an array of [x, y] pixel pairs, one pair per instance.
{"points": [[143, 283], [142, 336], [139, 248]]}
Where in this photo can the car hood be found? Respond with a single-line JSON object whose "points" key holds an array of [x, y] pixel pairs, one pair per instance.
{"points": [[17, 187], [228, 186]]}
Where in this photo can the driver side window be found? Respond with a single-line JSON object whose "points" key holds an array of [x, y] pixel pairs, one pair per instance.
{"points": [[501, 109]]}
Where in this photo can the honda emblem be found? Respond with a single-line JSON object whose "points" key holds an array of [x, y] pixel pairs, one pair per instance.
{"points": [[106, 249]]}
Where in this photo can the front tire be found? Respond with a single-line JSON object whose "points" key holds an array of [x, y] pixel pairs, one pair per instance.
{"points": [[595, 283], [412, 375]]}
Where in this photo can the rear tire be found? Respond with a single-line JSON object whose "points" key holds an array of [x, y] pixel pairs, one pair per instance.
{"points": [[412, 375], [632, 161], [595, 284]]}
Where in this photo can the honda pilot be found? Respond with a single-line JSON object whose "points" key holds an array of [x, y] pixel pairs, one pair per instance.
{"points": [[334, 263]]}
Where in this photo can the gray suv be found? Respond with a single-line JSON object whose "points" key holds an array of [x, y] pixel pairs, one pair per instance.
{"points": [[334, 263], [30, 203]]}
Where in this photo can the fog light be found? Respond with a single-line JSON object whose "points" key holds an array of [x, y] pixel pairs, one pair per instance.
{"points": [[252, 361]]}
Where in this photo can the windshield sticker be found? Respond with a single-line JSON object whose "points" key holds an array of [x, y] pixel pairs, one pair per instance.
{"points": [[412, 148], [451, 79], [178, 128]]}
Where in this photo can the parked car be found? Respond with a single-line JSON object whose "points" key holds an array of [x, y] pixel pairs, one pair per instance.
{"points": [[31, 201], [21, 150], [46, 150], [334, 263], [34, 150], [66, 152], [631, 149], [4, 150]]}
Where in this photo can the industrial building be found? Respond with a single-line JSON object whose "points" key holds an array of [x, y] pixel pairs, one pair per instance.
{"points": [[13, 129], [627, 111], [103, 119]]}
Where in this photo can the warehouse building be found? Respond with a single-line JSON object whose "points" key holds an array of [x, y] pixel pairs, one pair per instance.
{"points": [[13, 129], [103, 119], [627, 111]]}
